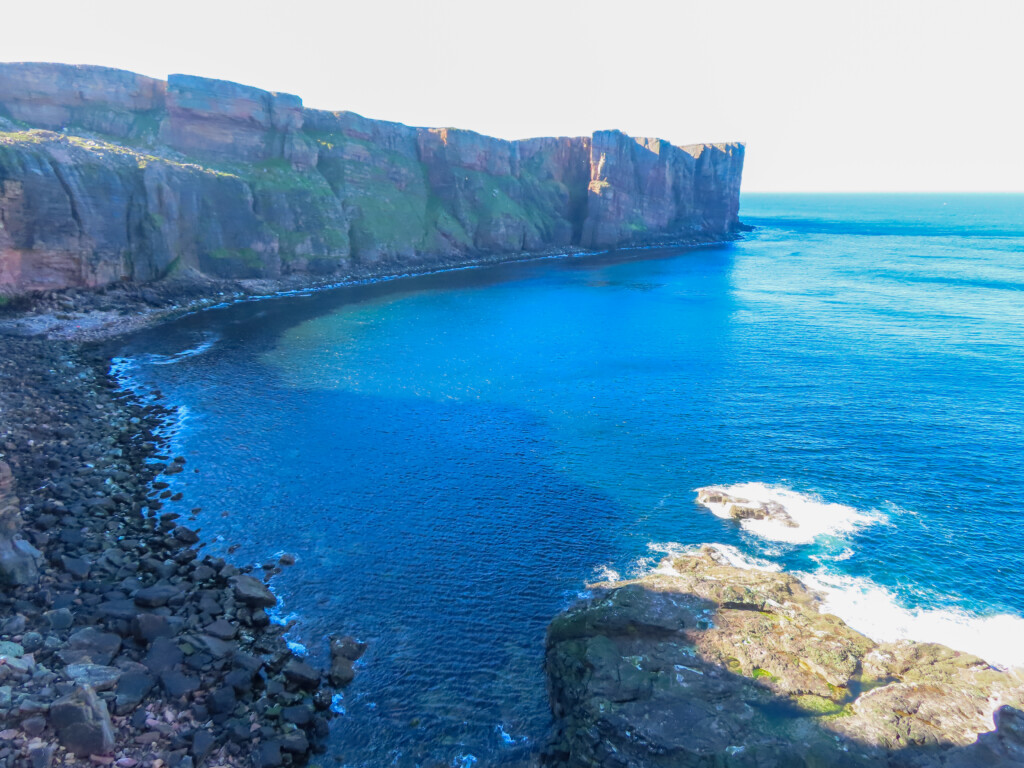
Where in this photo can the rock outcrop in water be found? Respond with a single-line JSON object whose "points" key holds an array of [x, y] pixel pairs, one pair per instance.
{"points": [[107, 175], [704, 664], [738, 508]]}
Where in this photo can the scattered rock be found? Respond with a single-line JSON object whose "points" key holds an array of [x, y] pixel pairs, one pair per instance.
{"points": [[301, 674], [83, 723], [202, 744], [7, 648], [19, 560], [96, 676], [41, 755], [253, 592], [156, 595], [221, 629], [164, 654], [177, 684], [147, 627], [59, 619], [132, 688], [78, 567], [269, 755]]}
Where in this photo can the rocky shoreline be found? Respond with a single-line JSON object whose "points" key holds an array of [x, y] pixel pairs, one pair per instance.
{"points": [[120, 642], [701, 663], [96, 314]]}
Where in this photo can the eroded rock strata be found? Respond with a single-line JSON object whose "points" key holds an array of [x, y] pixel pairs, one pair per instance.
{"points": [[107, 175], [704, 664]]}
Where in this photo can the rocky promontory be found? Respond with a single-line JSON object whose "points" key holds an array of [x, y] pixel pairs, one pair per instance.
{"points": [[109, 176], [701, 663]]}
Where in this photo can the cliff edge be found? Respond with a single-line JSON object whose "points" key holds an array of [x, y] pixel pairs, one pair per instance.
{"points": [[107, 175]]}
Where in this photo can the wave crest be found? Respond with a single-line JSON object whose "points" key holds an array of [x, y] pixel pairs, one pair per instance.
{"points": [[875, 611], [805, 518]]}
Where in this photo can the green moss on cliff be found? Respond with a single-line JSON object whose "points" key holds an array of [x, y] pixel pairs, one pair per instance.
{"points": [[247, 256], [822, 707], [384, 191], [277, 175], [26, 137]]}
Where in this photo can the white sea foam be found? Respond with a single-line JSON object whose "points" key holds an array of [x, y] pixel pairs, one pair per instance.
{"points": [[297, 648], [728, 553], [875, 611], [813, 517], [507, 738], [607, 573], [185, 354], [337, 704]]}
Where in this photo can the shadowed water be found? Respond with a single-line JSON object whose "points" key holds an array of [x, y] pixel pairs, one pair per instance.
{"points": [[453, 457]]}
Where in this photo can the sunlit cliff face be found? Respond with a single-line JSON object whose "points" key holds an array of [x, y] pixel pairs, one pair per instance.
{"points": [[123, 176]]}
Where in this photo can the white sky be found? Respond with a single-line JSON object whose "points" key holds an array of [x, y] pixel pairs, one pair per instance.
{"points": [[858, 96]]}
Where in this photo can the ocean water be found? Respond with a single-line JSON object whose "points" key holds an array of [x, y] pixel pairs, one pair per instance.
{"points": [[453, 457]]}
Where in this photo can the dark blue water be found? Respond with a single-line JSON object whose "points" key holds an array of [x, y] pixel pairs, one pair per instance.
{"points": [[453, 457]]}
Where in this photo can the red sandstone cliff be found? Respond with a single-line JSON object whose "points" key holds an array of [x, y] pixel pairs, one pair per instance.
{"points": [[107, 175]]}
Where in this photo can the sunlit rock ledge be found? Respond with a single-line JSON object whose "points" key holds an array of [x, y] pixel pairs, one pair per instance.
{"points": [[701, 663]]}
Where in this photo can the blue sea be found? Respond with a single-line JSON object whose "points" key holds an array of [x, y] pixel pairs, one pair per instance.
{"points": [[452, 458]]}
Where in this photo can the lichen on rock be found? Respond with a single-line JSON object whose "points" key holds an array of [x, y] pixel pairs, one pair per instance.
{"points": [[702, 663]]}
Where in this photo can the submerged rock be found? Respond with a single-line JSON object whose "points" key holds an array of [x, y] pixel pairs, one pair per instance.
{"points": [[702, 663], [345, 651]]}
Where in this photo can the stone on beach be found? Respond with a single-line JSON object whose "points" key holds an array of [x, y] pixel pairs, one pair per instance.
{"points": [[83, 723], [253, 592], [19, 560], [127, 619]]}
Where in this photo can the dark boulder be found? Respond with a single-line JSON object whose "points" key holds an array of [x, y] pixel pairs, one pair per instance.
{"points": [[82, 723], [252, 592]]}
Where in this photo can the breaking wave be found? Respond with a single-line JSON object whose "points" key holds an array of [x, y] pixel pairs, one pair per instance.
{"points": [[875, 611], [812, 516]]}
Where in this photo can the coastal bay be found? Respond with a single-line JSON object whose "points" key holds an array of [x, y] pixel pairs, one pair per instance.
{"points": [[583, 401]]}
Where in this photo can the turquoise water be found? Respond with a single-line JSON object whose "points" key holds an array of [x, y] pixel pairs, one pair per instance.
{"points": [[453, 457]]}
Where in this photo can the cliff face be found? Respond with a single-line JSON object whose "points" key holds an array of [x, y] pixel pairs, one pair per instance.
{"points": [[106, 175]]}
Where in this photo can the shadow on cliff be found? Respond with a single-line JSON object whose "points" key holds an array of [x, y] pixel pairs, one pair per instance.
{"points": [[630, 689]]}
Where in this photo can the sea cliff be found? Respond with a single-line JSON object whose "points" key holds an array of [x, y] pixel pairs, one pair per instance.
{"points": [[108, 176]]}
